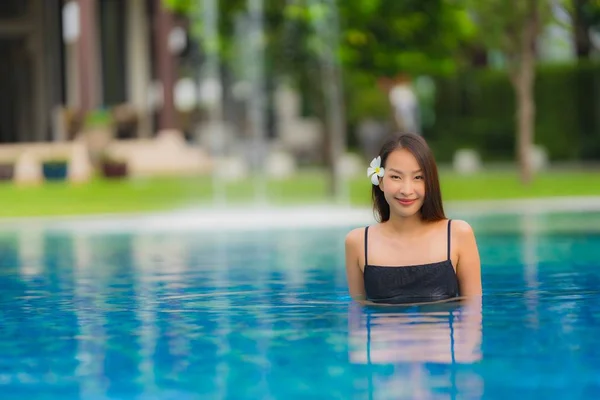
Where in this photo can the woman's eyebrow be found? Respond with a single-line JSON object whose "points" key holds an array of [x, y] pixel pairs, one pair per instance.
{"points": [[399, 172]]}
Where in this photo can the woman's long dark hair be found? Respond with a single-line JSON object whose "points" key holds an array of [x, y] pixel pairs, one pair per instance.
{"points": [[432, 209]]}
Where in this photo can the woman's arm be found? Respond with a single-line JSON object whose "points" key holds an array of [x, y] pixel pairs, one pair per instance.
{"points": [[468, 268], [354, 274]]}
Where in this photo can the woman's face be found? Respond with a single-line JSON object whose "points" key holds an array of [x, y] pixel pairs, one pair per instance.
{"points": [[403, 183]]}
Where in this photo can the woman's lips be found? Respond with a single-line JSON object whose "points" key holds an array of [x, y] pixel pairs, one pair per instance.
{"points": [[406, 202]]}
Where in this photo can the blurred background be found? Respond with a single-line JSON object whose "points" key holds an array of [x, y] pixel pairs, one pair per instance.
{"points": [[114, 105]]}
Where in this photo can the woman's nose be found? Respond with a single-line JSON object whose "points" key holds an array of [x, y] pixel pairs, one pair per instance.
{"points": [[406, 188]]}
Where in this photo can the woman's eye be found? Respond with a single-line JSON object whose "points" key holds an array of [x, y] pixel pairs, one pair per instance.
{"points": [[395, 177], [419, 177]]}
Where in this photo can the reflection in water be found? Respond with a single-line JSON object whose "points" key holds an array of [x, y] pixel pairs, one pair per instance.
{"points": [[91, 323], [443, 333], [530, 262], [30, 248], [416, 338]]}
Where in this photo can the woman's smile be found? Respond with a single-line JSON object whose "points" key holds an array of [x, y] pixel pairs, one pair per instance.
{"points": [[406, 202]]}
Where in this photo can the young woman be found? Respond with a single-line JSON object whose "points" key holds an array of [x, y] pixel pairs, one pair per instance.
{"points": [[414, 254]]}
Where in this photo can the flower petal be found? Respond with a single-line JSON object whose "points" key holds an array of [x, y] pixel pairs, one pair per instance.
{"points": [[381, 172], [376, 162], [375, 179], [370, 171]]}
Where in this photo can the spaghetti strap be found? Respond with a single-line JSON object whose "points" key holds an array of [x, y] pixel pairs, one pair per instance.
{"points": [[449, 236], [366, 241]]}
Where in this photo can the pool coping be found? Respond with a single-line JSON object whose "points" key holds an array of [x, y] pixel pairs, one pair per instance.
{"points": [[308, 216]]}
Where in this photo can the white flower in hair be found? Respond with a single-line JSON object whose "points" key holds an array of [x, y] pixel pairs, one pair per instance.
{"points": [[375, 171]]}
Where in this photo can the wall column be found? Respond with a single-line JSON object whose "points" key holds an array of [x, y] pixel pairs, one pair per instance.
{"points": [[165, 65], [139, 63], [87, 49], [53, 52], [36, 45]]}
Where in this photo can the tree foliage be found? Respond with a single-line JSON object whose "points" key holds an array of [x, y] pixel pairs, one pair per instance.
{"points": [[510, 27], [585, 15], [513, 28], [377, 37]]}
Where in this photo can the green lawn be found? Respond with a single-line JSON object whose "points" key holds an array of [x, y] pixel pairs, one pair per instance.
{"points": [[506, 185], [140, 195]]}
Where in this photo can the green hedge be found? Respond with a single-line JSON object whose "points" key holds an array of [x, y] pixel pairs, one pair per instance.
{"points": [[477, 110]]}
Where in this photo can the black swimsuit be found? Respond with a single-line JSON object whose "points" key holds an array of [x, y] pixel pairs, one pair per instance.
{"points": [[410, 284]]}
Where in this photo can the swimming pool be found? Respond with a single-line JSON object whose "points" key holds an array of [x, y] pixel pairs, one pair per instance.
{"points": [[196, 314]]}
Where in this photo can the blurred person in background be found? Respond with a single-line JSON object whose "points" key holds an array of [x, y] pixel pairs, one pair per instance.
{"points": [[405, 105]]}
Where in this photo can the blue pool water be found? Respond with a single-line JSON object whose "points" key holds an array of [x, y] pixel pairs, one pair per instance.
{"points": [[265, 314]]}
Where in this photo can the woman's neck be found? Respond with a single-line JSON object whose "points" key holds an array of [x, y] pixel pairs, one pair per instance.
{"points": [[405, 225]]}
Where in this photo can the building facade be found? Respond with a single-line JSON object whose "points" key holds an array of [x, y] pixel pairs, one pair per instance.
{"points": [[71, 57]]}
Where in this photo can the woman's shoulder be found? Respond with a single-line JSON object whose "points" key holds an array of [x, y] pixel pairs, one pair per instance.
{"points": [[461, 230], [357, 236], [460, 226]]}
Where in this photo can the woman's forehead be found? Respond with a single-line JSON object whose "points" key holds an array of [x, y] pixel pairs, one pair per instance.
{"points": [[402, 159]]}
